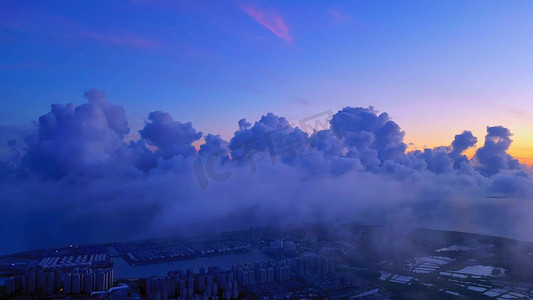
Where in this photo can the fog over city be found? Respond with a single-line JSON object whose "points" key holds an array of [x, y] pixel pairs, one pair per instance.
{"points": [[78, 177], [251, 149]]}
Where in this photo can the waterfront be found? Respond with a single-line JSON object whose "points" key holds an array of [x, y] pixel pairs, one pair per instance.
{"points": [[125, 270]]}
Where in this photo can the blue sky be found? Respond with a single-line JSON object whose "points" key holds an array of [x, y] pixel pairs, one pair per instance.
{"points": [[436, 67]]}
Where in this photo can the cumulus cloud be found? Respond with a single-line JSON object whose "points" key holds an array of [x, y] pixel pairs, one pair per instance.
{"points": [[170, 137], [76, 180], [70, 138], [493, 157]]}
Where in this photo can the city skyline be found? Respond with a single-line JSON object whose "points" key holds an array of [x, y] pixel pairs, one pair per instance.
{"points": [[153, 119]]}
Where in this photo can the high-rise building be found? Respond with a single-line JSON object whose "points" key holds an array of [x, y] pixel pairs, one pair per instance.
{"points": [[67, 281], [76, 283], [49, 284], [100, 281], [9, 286], [30, 282], [39, 279], [88, 282], [270, 275], [58, 277]]}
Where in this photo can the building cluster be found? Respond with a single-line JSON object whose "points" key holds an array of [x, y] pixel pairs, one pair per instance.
{"points": [[75, 261], [337, 282], [276, 280], [304, 275], [218, 247], [311, 265], [281, 247], [261, 273], [181, 285], [86, 281], [215, 283], [37, 281], [148, 253]]}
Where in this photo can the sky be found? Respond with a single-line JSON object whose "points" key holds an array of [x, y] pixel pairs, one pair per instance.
{"points": [[125, 120], [449, 65]]}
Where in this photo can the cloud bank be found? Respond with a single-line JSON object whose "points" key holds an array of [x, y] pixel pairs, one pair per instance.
{"points": [[76, 179]]}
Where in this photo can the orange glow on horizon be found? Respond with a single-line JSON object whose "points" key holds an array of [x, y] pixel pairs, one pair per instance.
{"points": [[523, 154]]}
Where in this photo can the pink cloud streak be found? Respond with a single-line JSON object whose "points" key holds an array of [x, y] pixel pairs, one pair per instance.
{"points": [[40, 21], [271, 20], [338, 15], [122, 39]]}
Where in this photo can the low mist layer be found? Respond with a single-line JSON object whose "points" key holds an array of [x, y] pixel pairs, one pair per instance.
{"points": [[77, 180]]}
